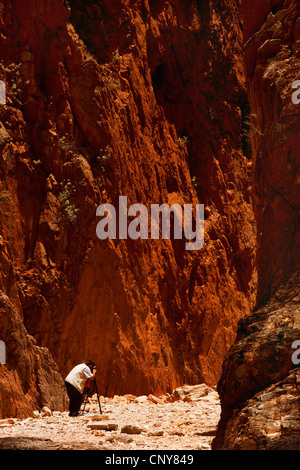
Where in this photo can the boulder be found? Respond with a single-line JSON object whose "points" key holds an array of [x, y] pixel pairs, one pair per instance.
{"points": [[190, 393], [132, 429], [45, 411], [103, 427]]}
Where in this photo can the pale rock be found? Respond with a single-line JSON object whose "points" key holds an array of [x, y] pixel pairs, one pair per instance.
{"points": [[103, 426], [156, 433], [131, 429], [154, 399], [99, 418], [45, 411], [7, 421], [120, 438], [130, 397], [141, 399], [189, 393], [203, 447], [51, 420]]}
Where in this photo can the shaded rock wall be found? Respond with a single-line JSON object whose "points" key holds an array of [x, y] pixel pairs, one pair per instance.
{"points": [[272, 64], [259, 387], [30, 379], [143, 99]]}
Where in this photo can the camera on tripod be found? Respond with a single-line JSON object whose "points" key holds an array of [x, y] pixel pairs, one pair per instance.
{"points": [[91, 389]]}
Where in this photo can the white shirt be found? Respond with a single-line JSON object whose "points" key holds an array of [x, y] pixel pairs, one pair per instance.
{"points": [[78, 376]]}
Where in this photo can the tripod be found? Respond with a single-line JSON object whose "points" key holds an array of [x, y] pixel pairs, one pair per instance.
{"points": [[89, 393]]}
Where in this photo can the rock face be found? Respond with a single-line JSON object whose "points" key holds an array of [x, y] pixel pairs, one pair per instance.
{"points": [[31, 378], [259, 387], [272, 63], [260, 384], [147, 102]]}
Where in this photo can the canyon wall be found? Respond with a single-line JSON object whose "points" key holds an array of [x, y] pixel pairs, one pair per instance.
{"points": [[30, 379], [260, 382], [145, 99]]}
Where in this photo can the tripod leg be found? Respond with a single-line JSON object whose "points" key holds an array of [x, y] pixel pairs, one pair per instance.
{"points": [[85, 401], [98, 396]]}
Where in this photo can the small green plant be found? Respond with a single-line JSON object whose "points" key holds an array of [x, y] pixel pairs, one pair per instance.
{"points": [[103, 158], [195, 182], [11, 74], [105, 154], [115, 56], [66, 144], [90, 56], [182, 141], [249, 130], [66, 192], [111, 83]]}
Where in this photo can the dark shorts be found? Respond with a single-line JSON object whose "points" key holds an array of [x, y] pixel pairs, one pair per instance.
{"points": [[75, 399]]}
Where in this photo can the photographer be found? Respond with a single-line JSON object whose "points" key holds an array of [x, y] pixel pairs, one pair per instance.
{"points": [[75, 383]]}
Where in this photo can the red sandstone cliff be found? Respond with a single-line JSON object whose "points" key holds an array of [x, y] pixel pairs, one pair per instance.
{"points": [[144, 99], [259, 387]]}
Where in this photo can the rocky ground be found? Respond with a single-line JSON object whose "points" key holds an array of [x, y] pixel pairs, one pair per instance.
{"points": [[185, 419]]}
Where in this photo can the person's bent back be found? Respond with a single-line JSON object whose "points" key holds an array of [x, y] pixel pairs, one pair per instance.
{"points": [[75, 384]]}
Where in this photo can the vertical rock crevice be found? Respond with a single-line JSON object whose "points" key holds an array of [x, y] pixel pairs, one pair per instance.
{"points": [[259, 386]]}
